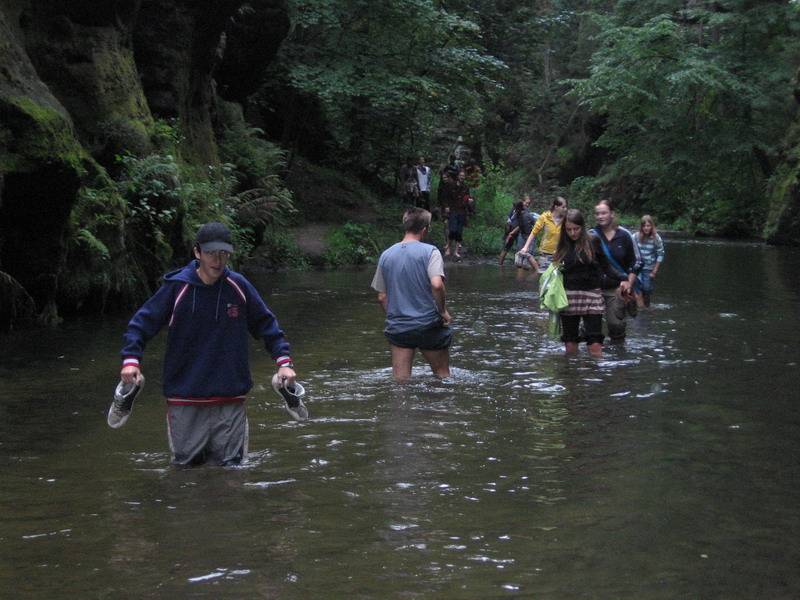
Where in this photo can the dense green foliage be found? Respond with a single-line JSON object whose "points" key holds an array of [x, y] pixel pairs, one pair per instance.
{"points": [[672, 108], [124, 236], [695, 101], [391, 77]]}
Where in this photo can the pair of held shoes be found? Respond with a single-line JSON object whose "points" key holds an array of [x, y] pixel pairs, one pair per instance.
{"points": [[126, 393], [625, 305]]}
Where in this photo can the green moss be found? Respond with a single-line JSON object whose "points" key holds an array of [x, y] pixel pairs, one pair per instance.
{"points": [[783, 219], [43, 135]]}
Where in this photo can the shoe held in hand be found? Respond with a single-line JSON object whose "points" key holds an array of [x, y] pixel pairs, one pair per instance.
{"points": [[121, 407], [291, 395]]}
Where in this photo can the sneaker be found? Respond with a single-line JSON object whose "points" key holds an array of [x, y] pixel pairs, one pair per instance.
{"points": [[521, 260], [291, 395], [619, 308], [122, 405], [633, 308]]}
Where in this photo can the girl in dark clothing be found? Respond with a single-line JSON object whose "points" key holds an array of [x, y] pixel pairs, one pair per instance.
{"points": [[625, 256], [583, 264], [518, 226], [456, 205]]}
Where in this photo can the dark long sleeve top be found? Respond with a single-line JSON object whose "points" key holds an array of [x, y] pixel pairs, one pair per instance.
{"points": [[584, 275]]}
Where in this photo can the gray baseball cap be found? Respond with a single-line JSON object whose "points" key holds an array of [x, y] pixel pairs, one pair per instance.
{"points": [[214, 236]]}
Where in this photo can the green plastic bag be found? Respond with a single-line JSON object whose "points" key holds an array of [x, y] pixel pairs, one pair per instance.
{"points": [[553, 297]]}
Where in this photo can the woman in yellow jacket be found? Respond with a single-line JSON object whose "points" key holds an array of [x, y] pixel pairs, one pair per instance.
{"points": [[550, 224]]}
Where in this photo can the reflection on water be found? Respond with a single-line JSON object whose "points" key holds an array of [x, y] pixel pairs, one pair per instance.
{"points": [[667, 469]]}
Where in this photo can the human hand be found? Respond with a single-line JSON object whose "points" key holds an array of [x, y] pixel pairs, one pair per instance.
{"points": [[130, 374], [446, 318], [286, 376]]}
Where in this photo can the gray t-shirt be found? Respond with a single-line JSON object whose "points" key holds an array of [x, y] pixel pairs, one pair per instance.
{"points": [[404, 274]]}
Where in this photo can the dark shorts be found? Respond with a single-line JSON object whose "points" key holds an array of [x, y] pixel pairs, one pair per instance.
{"points": [[593, 328], [437, 337], [455, 226], [508, 244]]}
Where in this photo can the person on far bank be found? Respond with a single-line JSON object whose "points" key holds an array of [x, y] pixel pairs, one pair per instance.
{"points": [[209, 310], [408, 181], [623, 254], [456, 204], [424, 175], [549, 225], [651, 247], [518, 225], [410, 285], [583, 265]]}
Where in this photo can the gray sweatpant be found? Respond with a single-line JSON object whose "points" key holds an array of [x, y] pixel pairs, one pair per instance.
{"points": [[214, 435]]}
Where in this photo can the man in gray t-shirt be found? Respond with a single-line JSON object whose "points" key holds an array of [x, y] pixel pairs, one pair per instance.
{"points": [[410, 285]]}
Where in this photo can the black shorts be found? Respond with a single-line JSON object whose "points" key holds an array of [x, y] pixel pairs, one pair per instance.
{"points": [[437, 337]]}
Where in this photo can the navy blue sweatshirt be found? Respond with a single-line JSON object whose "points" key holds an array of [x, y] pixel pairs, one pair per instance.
{"points": [[207, 358], [624, 250]]}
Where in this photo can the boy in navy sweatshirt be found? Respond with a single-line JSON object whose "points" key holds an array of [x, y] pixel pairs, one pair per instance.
{"points": [[209, 311]]}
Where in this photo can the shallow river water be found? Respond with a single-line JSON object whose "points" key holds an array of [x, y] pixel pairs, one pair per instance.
{"points": [[670, 469]]}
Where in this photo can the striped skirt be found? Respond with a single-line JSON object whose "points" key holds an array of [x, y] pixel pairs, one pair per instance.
{"points": [[584, 302]]}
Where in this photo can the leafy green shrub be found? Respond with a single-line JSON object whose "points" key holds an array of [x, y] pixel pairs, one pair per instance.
{"points": [[167, 201], [280, 251], [351, 243], [98, 265], [167, 135], [483, 240], [261, 200]]}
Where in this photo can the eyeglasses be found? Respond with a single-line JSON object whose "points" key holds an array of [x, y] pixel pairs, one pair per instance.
{"points": [[220, 254]]}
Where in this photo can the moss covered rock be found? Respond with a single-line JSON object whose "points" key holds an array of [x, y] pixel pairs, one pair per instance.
{"points": [[41, 168], [83, 83], [783, 221]]}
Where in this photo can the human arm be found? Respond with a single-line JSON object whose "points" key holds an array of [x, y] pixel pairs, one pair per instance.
{"points": [[528, 242], [436, 277], [143, 326], [659, 247], [512, 233], [383, 300], [537, 228], [379, 285], [609, 273], [439, 295], [262, 324], [632, 260]]}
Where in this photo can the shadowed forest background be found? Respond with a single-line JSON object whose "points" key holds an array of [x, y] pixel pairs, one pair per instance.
{"points": [[124, 125]]}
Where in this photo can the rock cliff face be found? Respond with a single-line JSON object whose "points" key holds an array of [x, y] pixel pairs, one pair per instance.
{"points": [[82, 80], [783, 221]]}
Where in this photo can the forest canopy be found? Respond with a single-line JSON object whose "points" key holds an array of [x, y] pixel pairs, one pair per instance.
{"points": [[132, 125], [672, 107]]}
